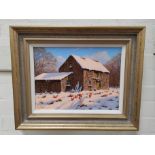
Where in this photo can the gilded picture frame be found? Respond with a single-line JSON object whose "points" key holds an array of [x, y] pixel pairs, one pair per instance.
{"points": [[131, 37]]}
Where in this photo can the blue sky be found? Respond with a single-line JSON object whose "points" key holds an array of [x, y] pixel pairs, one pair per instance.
{"points": [[102, 54], [83, 51]]}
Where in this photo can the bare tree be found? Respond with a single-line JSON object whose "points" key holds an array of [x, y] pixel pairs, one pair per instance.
{"points": [[114, 66], [44, 62]]}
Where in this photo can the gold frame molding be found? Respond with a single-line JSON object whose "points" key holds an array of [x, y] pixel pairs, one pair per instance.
{"points": [[22, 37]]}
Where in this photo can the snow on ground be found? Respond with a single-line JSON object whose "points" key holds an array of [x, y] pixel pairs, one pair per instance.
{"points": [[84, 100]]}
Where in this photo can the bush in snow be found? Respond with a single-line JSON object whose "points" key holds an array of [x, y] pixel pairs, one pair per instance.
{"points": [[78, 88]]}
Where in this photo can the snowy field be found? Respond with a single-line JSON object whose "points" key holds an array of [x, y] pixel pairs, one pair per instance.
{"points": [[84, 100]]}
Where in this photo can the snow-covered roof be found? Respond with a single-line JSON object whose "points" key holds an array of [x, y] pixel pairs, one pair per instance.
{"points": [[90, 64], [52, 76]]}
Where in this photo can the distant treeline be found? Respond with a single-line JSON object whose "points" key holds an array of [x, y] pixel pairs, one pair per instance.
{"points": [[114, 66], [44, 61]]}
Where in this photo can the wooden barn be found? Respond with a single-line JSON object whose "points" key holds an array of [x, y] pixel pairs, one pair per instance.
{"points": [[52, 82], [89, 73]]}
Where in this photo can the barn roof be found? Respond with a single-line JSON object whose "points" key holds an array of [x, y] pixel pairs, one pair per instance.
{"points": [[90, 64], [52, 76]]}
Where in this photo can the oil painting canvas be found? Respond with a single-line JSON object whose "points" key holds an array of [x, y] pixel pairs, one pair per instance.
{"points": [[78, 79]]}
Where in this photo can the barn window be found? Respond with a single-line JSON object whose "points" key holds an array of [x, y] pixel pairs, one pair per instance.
{"points": [[89, 82], [70, 66], [98, 75], [68, 83]]}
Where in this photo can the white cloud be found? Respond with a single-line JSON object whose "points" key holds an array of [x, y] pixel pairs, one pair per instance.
{"points": [[102, 56], [60, 61]]}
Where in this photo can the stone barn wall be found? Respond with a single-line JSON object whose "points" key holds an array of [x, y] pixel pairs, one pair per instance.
{"points": [[71, 65], [94, 80], [42, 86]]}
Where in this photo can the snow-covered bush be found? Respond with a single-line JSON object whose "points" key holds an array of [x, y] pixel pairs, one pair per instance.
{"points": [[77, 88]]}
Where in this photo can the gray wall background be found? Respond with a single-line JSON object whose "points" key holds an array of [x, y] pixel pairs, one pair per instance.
{"points": [[147, 115]]}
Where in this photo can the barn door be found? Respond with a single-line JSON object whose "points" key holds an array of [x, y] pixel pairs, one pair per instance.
{"points": [[98, 85]]}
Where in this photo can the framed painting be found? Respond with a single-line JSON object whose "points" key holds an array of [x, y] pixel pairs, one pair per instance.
{"points": [[77, 77]]}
